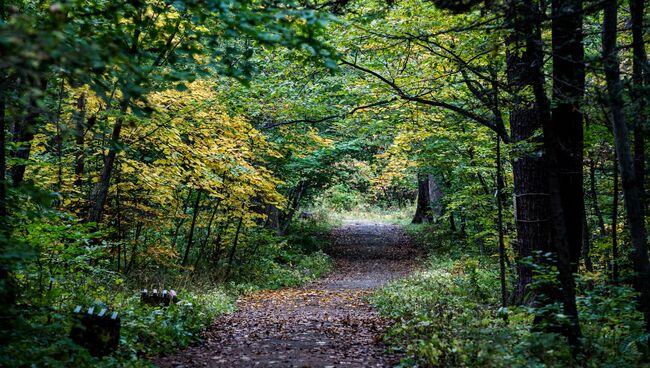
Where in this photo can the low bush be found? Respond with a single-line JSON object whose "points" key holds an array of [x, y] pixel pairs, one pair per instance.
{"points": [[449, 316], [64, 276], [40, 336]]}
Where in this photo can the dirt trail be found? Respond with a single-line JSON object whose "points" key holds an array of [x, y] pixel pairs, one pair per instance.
{"points": [[322, 324]]}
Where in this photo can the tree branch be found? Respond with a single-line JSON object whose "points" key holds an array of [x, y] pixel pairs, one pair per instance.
{"points": [[431, 102], [330, 117]]}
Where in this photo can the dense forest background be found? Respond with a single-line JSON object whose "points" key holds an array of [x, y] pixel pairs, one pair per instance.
{"points": [[209, 146]]}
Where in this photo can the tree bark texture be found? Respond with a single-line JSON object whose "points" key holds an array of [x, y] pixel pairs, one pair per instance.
{"points": [[528, 166], [423, 211]]}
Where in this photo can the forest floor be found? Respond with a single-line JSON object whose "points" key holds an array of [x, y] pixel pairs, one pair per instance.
{"points": [[326, 323]]}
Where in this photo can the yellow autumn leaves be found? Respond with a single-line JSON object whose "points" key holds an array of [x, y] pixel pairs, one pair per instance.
{"points": [[174, 145], [194, 144]]}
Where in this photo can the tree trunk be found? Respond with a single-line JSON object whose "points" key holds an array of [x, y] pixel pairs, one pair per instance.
{"points": [[586, 244], [614, 262], [180, 222], [100, 192], [502, 244], [190, 236], [233, 249], [631, 190], [4, 221], [205, 241], [463, 223], [272, 218], [529, 169], [7, 285], [563, 142], [435, 195], [452, 222], [294, 200], [80, 159], [566, 117], [134, 251], [216, 255], [118, 219], [551, 293], [594, 197], [637, 8], [423, 213], [23, 135]]}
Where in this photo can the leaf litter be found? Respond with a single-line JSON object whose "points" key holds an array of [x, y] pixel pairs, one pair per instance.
{"points": [[326, 323]]}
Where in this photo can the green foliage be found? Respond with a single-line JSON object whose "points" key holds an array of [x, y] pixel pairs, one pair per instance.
{"points": [[40, 336], [294, 270], [311, 235], [449, 316], [341, 198], [283, 267], [73, 267], [153, 330]]}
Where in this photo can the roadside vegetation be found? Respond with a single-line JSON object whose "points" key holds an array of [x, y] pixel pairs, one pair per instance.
{"points": [[449, 314]]}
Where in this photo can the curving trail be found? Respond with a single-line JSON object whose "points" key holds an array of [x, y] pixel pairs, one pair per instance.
{"points": [[322, 324]]}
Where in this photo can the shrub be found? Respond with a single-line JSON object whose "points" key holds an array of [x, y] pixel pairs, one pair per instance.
{"points": [[449, 316]]}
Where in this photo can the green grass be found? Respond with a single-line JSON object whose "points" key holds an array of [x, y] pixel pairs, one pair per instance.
{"points": [[402, 216]]}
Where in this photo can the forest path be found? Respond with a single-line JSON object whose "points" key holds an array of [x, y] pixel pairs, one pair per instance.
{"points": [[322, 324]]}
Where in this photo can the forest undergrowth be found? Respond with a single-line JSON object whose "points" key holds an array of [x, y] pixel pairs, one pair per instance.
{"points": [[41, 333], [449, 315]]}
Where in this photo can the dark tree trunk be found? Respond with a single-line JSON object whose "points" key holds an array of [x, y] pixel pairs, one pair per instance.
{"points": [[529, 169], [3, 167], [100, 192], [216, 255], [463, 223], [614, 263], [594, 197], [80, 159], [502, 244], [631, 190], [294, 203], [435, 195], [8, 289], [118, 220], [637, 8], [423, 213], [566, 118], [452, 222], [272, 218], [23, 135], [58, 141], [134, 251], [190, 236], [233, 249], [563, 145], [180, 222], [7, 285], [586, 244], [551, 293], [205, 241]]}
